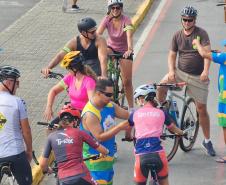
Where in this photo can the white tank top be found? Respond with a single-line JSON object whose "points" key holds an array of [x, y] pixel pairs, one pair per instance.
{"points": [[12, 110]]}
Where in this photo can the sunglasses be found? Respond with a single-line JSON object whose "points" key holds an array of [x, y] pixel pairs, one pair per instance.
{"points": [[116, 7], [188, 20], [109, 95]]}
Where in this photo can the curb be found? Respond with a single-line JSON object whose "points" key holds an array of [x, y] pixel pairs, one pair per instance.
{"points": [[141, 13], [136, 20]]}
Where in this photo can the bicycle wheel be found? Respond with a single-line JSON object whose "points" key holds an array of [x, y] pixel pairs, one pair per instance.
{"points": [[189, 120], [170, 142]]}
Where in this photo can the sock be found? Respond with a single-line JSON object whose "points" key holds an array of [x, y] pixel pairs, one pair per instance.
{"points": [[207, 140]]}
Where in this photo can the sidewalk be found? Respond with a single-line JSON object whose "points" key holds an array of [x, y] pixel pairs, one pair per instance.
{"points": [[32, 41]]}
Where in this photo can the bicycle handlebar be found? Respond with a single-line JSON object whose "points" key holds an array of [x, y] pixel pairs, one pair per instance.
{"points": [[117, 55], [34, 158], [55, 75], [220, 4]]}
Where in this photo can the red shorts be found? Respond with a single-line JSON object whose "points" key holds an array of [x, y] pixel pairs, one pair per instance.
{"points": [[142, 168]]}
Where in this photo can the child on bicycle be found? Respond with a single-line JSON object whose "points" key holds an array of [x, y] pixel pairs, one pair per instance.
{"points": [[148, 121], [67, 145]]}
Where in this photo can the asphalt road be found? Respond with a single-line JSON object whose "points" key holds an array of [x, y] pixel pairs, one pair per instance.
{"points": [[11, 10], [153, 40]]}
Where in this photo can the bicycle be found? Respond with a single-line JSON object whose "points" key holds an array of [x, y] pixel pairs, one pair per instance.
{"points": [[223, 4], [114, 73], [187, 119], [6, 175]]}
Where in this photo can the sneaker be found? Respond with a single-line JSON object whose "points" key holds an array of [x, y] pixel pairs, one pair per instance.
{"points": [[209, 148], [75, 6]]}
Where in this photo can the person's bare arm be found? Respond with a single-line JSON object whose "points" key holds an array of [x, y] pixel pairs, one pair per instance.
{"points": [[129, 35], [100, 30], [120, 112], [70, 46], [26, 131], [102, 55], [202, 51], [50, 100], [92, 123], [172, 56], [205, 74], [176, 130]]}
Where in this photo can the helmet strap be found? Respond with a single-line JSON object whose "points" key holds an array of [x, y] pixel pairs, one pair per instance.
{"points": [[12, 90], [86, 36]]}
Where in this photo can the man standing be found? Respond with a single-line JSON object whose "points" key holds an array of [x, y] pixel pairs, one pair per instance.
{"points": [[98, 119], [14, 128], [191, 68], [93, 48]]}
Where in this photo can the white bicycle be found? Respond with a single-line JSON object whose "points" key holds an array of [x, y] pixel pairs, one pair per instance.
{"points": [[6, 175]]}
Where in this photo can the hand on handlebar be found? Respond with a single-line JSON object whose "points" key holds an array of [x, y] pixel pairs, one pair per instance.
{"points": [[45, 72], [127, 54]]}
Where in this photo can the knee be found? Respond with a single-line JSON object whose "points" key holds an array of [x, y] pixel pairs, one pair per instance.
{"points": [[201, 109]]}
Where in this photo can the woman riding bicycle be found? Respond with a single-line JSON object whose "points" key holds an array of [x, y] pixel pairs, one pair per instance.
{"points": [[148, 122], [67, 145], [120, 32], [80, 83]]}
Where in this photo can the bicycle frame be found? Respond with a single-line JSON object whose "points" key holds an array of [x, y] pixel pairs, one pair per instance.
{"points": [[114, 73], [171, 96]]}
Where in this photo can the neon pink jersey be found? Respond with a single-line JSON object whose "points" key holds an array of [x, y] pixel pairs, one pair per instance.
{"points": [[78, 97], [148, 121], [117, 38]]}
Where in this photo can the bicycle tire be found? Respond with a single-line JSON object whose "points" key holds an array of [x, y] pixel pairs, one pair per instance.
{"points": [[170, 143], [187, 120], [121, 93]]}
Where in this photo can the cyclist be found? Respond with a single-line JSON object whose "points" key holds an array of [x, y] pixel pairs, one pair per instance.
{"points": [[120, 32], [148, 122], [219, 58], [191, 68], [67, 143], [92, 47], [98, 119], [14, 129], [80, 83]]}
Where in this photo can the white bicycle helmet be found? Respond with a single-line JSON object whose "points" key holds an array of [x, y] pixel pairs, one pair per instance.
{"points": [[145, 90], [189, 11], [113, 2]]}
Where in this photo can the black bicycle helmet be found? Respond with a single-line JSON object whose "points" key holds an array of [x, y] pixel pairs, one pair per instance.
{"points": [[86, 23], [9, 72], [189, 11]]}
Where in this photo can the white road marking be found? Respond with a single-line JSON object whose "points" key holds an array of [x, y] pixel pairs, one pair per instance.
{"points": [[10, 3], [149, 26]]}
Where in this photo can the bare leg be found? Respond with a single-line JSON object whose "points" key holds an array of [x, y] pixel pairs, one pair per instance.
{"points": [[164, 181], [224, 131], [126, 71], [204, 119], [162, 91]]}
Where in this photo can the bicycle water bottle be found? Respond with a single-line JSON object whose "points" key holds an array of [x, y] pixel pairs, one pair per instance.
{"points": [[174, 110]]}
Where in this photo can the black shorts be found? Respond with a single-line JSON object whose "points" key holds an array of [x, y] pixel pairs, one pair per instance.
{"points": [[117, 52], [20, 168]]}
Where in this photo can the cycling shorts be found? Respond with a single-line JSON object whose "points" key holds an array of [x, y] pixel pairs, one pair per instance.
{"points": [[142, 166], [81, 179], [117, 52], [103, 177], [20, 168]]}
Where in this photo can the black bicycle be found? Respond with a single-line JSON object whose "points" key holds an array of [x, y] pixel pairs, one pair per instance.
{"points": [[114, 73]]}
